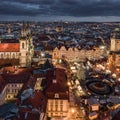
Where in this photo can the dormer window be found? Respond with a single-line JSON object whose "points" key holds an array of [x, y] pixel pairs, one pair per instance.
{"points": [[54, 81], [56, 95]]}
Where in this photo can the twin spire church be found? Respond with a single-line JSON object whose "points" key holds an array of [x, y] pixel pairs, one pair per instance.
{"points": [[19, 53]]}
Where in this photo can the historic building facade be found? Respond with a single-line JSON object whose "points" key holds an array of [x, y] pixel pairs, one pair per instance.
{"points": [[20, 53], [75, 54]]}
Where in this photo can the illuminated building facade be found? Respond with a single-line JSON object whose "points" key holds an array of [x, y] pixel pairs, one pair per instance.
{"points": [[58, 101], [76, 54]]}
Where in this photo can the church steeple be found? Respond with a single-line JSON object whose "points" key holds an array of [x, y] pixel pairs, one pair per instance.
{"points": [[25, 31], [9, 29]]}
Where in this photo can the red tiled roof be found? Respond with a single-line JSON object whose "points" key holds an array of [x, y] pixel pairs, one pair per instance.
{"points": [[28, 114], [16, 78], [9, 47], [57, 88], [29, 83], [61, 76], [43, 37], [39, 101], [48, 47], [22, 77], [11, 69]]}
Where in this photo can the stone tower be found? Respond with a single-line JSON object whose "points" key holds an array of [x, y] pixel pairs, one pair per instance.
{"points": [[26, 46]]}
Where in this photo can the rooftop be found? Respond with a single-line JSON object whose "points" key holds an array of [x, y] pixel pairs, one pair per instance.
{"points": [[9, 47]]}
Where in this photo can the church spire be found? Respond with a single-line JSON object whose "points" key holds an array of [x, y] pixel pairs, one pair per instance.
{"points": [[25, 31]]}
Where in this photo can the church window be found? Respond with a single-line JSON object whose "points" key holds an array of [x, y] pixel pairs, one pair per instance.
{"points": [[7, 55], [54, 54], [23, 45]]}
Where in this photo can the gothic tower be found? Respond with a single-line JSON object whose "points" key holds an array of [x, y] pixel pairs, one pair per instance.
{"points": [[26, 46]]}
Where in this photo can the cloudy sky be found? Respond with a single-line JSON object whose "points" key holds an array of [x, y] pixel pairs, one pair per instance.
{"points": [[68, 10]]}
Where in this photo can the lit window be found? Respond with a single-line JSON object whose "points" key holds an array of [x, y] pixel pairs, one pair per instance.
{"points": [[61, 102], [61, 108], [56, 95]]}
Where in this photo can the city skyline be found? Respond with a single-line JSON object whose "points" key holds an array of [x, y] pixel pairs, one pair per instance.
{"points": [[55, 10]]}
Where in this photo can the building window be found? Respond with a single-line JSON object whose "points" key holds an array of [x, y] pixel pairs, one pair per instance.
{"points": [[61, 102], [61, 108], [1, 55], [8, 90], [8, 96], [56, 95], [13, 56], [56, 107], [56, 102], [54, 54], [51, 105], [51, 114]]}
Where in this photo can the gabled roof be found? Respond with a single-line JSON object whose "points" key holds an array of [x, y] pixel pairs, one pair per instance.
{"points": [[9, 47], [16, 78]]}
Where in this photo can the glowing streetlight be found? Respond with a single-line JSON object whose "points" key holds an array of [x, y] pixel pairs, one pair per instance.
{"points": [[114, 75], [73, 110], [69, 84], [119, 79]]}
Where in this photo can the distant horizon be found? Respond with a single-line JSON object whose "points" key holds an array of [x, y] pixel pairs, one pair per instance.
{"points": [[59, 19]]}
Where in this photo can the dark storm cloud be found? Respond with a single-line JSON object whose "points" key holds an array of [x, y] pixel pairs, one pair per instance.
{"points": [[77, 8]]}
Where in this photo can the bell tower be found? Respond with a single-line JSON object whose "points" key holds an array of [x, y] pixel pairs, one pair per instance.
{"points": [[25, 46], [23, 52]]}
